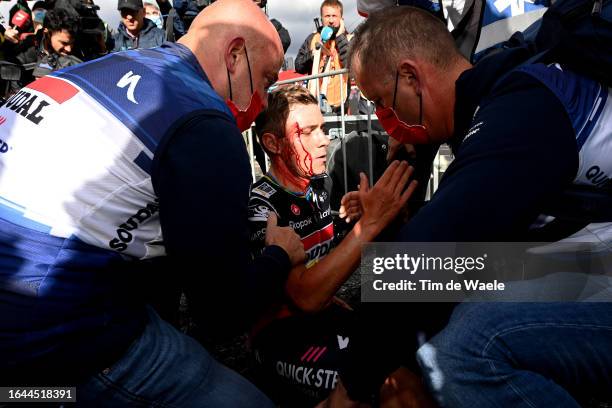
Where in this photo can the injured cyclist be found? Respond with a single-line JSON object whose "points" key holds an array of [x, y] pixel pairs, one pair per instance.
{"points": [[298, 345]]}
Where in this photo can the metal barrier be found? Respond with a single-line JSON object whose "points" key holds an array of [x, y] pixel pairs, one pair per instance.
{"points": [[441, 161]]}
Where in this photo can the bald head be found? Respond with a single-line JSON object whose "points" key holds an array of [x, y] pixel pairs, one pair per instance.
{"points": [[230, 35], [227, 19]]}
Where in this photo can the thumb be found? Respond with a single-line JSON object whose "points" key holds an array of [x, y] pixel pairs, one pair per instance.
{"points": [[272, 220], [364, 184]]}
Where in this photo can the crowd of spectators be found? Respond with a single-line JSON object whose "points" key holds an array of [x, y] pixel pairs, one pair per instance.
{"points": [[36, 39]]}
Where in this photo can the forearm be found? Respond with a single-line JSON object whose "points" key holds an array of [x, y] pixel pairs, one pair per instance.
{"points": [[312, 289]]}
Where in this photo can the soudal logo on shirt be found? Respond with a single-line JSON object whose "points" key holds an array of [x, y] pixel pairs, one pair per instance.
{"points": [[4, 147], [27, 105], [319, 243], [124, 232], [30, 103]]}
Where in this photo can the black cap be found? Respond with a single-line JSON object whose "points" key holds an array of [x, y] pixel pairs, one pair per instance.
{"points": [[40, 5], [129, 4]]}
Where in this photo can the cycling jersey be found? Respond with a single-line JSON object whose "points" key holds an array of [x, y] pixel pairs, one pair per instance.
{"points": [[283, 341], [308, 214]]}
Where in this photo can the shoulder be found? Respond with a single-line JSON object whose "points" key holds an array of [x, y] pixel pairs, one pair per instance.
{"points": [[264, 189]]}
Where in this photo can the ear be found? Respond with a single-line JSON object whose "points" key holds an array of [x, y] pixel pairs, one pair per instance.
{"points": [[409, 71], [271, 143], [233, 50]]}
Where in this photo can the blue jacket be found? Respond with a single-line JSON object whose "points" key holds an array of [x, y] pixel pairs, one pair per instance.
{"points": [[150, 36], [76, 255]]}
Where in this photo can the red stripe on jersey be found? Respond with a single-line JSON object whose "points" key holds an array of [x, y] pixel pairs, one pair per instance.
{"points": [[56, 89], [319, 236]]}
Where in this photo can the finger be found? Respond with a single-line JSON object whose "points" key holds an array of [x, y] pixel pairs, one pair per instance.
{"points": [[272, 220], [342, 213], [354, 211], [350, 196], [397, 174], [401, 184], [387, 174], [409, 191], [394, 146], [364, 183]]}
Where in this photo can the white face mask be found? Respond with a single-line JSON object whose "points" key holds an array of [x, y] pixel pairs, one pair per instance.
{"points": [[156, 19]]}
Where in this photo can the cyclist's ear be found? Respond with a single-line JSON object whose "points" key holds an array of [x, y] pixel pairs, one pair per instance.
{"points": [[271, 143]]}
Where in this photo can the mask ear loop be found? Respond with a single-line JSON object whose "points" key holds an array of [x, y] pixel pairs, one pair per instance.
{"points": [[229, 80], [420, 110], [395, 90], [249, 66]]}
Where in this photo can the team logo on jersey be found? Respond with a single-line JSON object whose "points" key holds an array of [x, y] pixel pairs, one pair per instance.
{"points": [[342, 342], [27, 104], [264, 190], [295, 209], [4, 147], [2, 120], [125, 234], [130, 80], [300, 224], [258, 213], [313, 354], [304, 375], [594, 174]]}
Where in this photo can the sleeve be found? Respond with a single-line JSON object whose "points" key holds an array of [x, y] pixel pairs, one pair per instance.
{"points": [[117, 42], [161, 36], [304, 58], [179, 26], [342, 43], [519, 155], [258, 219], [202, 178]]}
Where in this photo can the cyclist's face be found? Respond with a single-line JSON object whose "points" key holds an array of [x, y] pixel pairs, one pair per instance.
{"points": [[307, 140]]}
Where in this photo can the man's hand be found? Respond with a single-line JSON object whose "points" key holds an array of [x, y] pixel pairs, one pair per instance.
{"points": [[350, 204], [12, 35], [339, 399], [383, 202], [286, 238]]}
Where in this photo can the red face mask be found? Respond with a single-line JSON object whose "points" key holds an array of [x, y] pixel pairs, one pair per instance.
{"points": [[245, 118], [400, 130]]}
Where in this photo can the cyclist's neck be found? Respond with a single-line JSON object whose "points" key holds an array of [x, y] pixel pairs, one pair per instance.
{"points": [[288, 180]]}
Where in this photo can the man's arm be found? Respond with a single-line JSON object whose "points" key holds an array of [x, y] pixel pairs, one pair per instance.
{"points": [[312, 289], [304, 58], [202, 178], [504, 174]]}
